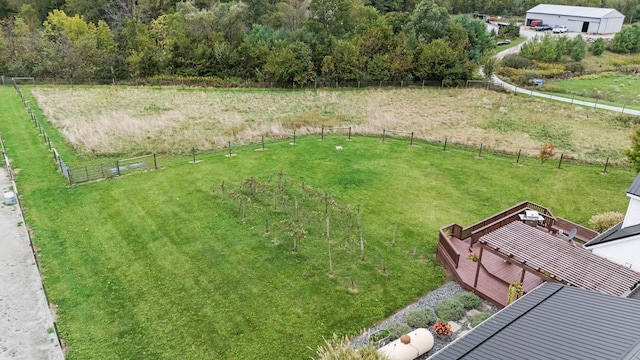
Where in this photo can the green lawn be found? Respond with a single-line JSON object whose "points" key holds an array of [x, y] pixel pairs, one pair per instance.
{"points": [[158, 265], [608, 88]]}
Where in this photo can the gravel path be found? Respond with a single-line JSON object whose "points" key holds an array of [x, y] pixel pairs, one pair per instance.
{"points": [[26, 325], [446, 291]]}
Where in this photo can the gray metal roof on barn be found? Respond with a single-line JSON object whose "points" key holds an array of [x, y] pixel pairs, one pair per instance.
{"points": [[634, 189], [555, 322], [582, 11]]}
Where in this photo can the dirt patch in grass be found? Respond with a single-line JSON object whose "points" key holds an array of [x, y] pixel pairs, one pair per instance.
{"points": [[123, 120]]}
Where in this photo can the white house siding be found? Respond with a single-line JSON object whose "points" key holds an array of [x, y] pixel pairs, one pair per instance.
{"points": [[632, 217], [624, 252]]}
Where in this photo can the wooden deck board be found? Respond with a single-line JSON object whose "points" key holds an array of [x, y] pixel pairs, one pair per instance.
{"points": [[494, 274]]}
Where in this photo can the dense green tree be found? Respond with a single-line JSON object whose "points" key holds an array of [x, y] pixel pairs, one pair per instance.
{"points": [[397, 20], [577, 48], [333, 17], [346, 62], [627, 40], [430, 21], [290, 14], [545, 48], [6, 9], [25, 49], [289, 63], [439, 61], [480, 41]]}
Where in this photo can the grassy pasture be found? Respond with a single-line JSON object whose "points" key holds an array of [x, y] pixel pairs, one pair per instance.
{"points": [[613, 88], [156, 266], [108, 121]]}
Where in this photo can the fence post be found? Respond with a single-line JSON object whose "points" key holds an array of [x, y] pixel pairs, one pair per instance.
{"points": [[322, 134], [560, 163], [294, 137], [229, 148], [262, 142], [193, 154], [518, 160], [383, 133], [86, 172], [411, 144], [606, 165], [155, 163], [349, 133], [445, 145], [70, 180], [102, 171], [117, 167], [480, 152]]}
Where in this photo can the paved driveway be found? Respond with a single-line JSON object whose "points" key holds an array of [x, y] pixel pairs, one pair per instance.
{"points": [[26, 324]]}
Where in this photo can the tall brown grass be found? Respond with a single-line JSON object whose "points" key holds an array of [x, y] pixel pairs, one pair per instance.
{"points": [[126, 120]]}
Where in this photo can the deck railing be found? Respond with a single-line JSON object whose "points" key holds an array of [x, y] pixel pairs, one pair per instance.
{"points": [[582, 234], [548, 216], [446, 247]]}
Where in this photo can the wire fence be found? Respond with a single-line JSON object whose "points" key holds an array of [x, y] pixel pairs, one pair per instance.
{"points": [[81, 174], [106, 170], [211, 82]]}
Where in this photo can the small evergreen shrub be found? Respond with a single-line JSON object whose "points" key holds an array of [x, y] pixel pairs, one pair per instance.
{"points": [[468, 300], [398, 329], [420, 318], [450, 310], [475, 320]]}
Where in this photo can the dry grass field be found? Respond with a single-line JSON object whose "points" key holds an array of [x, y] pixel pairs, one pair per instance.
{"points": [[127, 120]]}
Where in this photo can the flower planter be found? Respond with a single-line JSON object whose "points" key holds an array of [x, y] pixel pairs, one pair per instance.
{"points": [[379, 338]]}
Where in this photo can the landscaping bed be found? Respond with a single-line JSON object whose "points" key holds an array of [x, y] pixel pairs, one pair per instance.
{"points": [[447, 291]]}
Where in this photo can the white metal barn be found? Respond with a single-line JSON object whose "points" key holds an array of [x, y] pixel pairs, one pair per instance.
{"points": [[577, 18]]}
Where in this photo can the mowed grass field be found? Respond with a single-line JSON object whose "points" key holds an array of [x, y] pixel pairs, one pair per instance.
{"points": [[114, 121], [161, 265]]}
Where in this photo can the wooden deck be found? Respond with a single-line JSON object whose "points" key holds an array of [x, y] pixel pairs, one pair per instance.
{"points": [[494, 275], [505, 259]]}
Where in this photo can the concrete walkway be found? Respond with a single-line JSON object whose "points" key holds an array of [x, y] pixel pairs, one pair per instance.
{"points": [[26, 324], [529, 34]]}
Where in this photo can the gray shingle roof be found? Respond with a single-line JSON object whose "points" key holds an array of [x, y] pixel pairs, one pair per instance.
{"points": [[615, 233], [565, 10], [634, 189], [554, 322]]}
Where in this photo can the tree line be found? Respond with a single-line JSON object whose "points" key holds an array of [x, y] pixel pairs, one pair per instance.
{"points": [[292, 41]]}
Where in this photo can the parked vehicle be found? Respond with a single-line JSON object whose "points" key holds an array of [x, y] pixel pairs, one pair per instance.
{"points": [[559, 29], [503, 42], [542, 27]]}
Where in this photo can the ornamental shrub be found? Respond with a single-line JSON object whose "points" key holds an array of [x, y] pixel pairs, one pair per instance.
{"points": [[398, 329], [475, 320], [468, 300], [450, 310], [420, 318], [603, 221]]}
